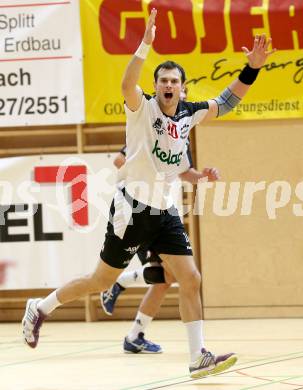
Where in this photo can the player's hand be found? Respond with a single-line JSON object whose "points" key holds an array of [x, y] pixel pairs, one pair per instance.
{"points": [[258, 55], [150, 31], [212, 174]]}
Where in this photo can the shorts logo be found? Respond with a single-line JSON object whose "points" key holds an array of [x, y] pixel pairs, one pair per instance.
{"points": [[132, 249], [188, 247], [165, 157], [186, 237]]}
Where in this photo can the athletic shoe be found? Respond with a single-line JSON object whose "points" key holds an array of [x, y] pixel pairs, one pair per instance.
{"points": [[31, 322], [108, 298], [140, 345], [208, 364]]}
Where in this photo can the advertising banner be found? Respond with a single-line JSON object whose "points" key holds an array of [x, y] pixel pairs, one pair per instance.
{"points": [[41, 76], [53, 217], [205, 37]]}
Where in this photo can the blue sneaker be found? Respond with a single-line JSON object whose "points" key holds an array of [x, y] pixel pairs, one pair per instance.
{"points": [[140, 345], [108, 298]]}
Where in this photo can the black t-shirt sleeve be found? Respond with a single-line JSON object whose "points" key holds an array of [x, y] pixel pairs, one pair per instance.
{"points": [[194, 107]]}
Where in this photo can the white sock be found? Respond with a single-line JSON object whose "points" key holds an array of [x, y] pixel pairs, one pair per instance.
{"points": [[49, 304], [195, 338], [139, 325], [131, 278]]}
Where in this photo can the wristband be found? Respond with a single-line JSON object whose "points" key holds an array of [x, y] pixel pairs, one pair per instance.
{"points": [[248, 75], [142, 50]]}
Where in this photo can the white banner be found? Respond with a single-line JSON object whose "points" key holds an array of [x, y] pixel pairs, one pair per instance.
{"points": [[41, 78], [53, 217], [52, 232]]}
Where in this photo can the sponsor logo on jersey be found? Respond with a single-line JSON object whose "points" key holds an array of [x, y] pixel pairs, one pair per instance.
{"points": [[158, 126], [167, 157], [181, 114], [184, 131]]}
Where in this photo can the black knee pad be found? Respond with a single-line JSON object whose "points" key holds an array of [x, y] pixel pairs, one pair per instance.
{"points": [[154, 275]]}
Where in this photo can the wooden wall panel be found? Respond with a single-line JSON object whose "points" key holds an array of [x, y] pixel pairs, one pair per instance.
{"points": [[12, 306], [252, 265], [64, 139]]}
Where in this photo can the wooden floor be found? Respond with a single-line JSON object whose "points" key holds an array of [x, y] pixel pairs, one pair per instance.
{"points": [[88, 356]]}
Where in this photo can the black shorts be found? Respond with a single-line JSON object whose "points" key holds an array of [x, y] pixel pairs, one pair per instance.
{"points": [[133, 225]]}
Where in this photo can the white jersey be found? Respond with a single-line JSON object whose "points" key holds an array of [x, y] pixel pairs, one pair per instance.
{"points": [[155, 146]]}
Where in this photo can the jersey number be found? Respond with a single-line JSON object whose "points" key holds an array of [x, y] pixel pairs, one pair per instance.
{"points": [[172, 130]]}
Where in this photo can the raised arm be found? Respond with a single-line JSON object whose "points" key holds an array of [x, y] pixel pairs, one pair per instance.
{"points": [[232, 95], [131, 91]]}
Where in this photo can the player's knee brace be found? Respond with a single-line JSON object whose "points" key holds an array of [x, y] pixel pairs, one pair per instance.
{"points": [[154, 275]]}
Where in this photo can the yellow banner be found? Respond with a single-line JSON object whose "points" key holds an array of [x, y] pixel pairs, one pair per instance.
{"points": [[206, 38]]}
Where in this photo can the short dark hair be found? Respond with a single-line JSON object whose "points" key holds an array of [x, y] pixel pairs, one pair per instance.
{"points": [[170, 65]]}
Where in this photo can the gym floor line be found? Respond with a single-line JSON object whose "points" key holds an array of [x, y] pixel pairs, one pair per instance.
{"points": [[270, 356]]}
